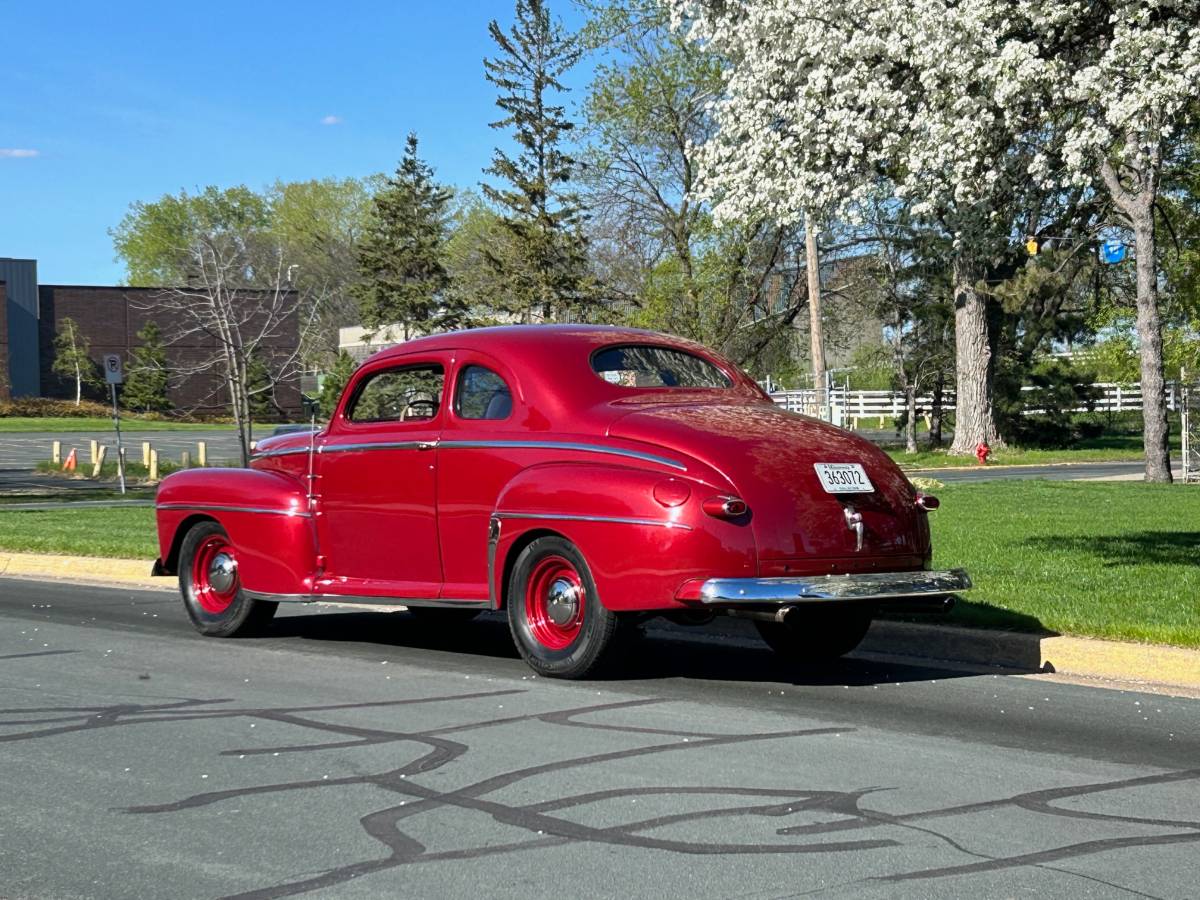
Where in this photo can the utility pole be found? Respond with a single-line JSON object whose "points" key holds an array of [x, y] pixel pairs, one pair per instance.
{"points": [[813, 266]]}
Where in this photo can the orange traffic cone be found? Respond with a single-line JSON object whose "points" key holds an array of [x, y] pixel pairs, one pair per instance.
{"points": [[71, 462]]}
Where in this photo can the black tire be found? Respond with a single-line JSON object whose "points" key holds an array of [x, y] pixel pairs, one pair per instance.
{"points": [[215, 601], [817, 635], [442, 615], [574, 648]]}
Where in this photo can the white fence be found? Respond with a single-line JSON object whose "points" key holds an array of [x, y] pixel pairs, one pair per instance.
{"points": [[849, 407]]}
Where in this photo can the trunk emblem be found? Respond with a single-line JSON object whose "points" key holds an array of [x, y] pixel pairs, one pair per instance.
{"points": [[854, 521]]}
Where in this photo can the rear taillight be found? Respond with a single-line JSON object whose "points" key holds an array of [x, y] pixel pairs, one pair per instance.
{"points": [[928, 502], [725, 507]]}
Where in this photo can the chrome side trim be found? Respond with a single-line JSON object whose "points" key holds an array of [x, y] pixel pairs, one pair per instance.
{"points": [[619, 520], [289, 451], [382, 445], [372, 601], [279, 598], [403, 601], [832, 588], [565, 445], [293, 513]]}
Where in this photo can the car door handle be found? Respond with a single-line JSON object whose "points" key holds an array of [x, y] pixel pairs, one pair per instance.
{"points": [[426, 445]]}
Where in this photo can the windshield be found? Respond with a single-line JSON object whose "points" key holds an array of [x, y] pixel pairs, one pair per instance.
{"points": [[648, 366]]}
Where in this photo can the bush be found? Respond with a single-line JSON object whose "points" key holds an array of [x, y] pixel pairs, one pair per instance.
{"points": [[46, 407]]}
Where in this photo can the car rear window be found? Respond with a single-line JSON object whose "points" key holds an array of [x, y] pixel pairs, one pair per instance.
{"points": [[648, 366]]}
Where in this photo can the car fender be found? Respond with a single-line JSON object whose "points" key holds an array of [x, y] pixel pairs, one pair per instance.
{"points": [[641, 551], [266, 515]]}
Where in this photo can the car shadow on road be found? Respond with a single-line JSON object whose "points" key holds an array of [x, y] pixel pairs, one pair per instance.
{"points": [[643, 654]]}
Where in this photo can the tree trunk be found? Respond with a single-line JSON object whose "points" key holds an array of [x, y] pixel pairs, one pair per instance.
{"points": [[1155, 428], [1138, 207], [974, 411], [935, 413], [910, 421], [78, 384], [817, 338]]}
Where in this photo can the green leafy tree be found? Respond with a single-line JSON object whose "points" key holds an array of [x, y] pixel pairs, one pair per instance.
{"points": [[146, 383], [320, 223], [402, 272], [544, 275], [334, 382], [223, 277], [71, 357]]}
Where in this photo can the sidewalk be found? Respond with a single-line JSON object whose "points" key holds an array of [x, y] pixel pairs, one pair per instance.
{"points": [[1137, 665]]}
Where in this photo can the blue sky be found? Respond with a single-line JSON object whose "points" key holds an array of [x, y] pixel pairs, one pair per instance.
{"points": [[124, 101]]}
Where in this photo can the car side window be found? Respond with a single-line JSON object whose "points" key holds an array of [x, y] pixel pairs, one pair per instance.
{"points": [[481, 394], [409, 394]]}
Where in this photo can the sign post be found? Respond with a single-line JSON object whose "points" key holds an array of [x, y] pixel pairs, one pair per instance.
{"points": [[114, 376]]}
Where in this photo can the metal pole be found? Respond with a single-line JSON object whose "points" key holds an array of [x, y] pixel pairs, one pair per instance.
{"points": [[117, 426]]}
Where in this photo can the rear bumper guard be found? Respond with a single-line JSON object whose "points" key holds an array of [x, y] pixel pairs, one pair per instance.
{"points": [[832, 588]]}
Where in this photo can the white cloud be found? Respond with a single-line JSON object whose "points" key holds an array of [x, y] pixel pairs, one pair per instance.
{"points": [[17, 153], [332, 120]]}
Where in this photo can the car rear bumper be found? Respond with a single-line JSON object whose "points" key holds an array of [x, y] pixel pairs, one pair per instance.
{"points": [[832, 588]]}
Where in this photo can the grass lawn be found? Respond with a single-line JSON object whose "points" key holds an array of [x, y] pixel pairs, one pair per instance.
{"points": [[16, 424], [121, 532], [1115, 560]]}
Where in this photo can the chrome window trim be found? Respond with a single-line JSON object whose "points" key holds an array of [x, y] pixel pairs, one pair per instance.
{"points": [[566, 517], [565, 445], [832, 588], [292, 513]]}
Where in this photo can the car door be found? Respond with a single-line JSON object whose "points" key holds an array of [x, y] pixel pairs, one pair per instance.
{"points": [[479, 454], [377, 482]]}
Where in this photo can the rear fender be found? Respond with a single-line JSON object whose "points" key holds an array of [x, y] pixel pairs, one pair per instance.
{"points": [[640, 551], [265, 514]]}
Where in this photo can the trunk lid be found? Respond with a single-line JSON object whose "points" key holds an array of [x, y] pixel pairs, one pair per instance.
{"points": [[769, 455]]}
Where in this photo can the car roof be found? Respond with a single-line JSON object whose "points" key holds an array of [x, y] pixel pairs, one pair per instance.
{"points": [[521, 339]]}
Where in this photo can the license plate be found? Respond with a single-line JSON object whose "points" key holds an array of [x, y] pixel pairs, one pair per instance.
{"points": [[843, 478]]}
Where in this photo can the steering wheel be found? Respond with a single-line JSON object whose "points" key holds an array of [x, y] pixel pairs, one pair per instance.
{"points": [[420, 409]]}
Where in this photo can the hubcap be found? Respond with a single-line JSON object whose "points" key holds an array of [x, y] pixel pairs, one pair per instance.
{"points": [[555, 602], [214, 574], [222, 572], [563, 602]]}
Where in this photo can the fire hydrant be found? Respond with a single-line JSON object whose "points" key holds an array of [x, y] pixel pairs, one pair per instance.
{"points": [[982, 452]]}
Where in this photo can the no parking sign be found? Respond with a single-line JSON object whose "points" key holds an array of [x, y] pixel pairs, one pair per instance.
{"points": [[112, 369]]}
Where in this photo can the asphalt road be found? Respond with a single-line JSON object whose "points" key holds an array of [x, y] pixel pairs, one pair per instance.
{"points": [[25, 449], [366, 755]]}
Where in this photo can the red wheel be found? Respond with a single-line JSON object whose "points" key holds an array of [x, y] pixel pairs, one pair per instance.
{"points": [[214, 574], [555, 602], [556, 618], [212, 587]]}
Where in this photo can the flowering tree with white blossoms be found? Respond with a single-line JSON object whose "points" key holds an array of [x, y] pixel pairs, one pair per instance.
{"points": [[957, 107], [1123, 78], [828, 104]]}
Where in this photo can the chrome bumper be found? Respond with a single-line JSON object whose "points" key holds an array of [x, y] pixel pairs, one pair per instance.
{"points": [[832, 588]]}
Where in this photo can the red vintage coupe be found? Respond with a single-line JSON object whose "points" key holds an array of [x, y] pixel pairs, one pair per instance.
{"points": [[579, 478]]}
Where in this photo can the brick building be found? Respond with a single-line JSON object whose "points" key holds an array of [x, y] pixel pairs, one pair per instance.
{"points": [[19, 311], [111, 317]]}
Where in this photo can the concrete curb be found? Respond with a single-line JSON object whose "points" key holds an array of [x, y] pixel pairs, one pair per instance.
{"points": [[1149, 664]]}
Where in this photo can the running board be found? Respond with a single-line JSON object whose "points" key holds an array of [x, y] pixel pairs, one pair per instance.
{"points": [[369, 601]]}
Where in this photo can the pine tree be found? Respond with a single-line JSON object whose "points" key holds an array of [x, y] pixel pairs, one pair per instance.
{"points": [[544, 274], [71, 357], [146, 385], [402, 274]]}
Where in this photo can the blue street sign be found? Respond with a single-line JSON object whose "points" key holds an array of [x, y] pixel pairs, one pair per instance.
{"points": [[1112, 252]]}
